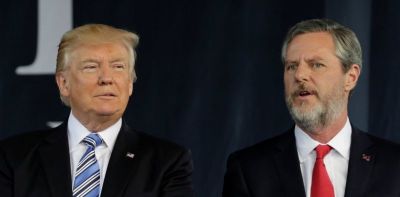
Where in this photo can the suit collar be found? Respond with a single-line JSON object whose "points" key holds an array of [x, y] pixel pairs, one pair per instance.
{"points": [[122, 163], [288, 166], [362, 154], [54, 155], [361, 162]]}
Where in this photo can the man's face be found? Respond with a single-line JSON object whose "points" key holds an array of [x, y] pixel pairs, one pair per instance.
{"points": [[97, 81], [316, 86]]}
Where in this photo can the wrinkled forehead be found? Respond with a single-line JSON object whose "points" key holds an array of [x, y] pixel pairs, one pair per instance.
{"points": [[98, 50], [311, 42]]}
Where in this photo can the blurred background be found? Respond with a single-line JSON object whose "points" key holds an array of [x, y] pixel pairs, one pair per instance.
{"points": [[209, 71]]}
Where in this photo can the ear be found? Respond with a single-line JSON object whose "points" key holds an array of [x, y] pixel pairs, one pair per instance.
{"points": [[352, 76], [62, 83], [130, 87], [132, 80]]}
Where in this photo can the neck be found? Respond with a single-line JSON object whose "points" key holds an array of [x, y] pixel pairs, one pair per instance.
{"points": [[97, 123], [329, 131]]}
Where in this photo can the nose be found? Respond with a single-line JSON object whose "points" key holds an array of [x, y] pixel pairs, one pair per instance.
{"points": [[302, 73], [105, 76]]}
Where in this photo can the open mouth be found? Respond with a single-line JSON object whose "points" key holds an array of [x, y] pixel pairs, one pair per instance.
{"points": [[304, 93]]}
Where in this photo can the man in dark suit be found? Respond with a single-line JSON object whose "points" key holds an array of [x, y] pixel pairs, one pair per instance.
{"points": [[323, 155], [94, 153]]}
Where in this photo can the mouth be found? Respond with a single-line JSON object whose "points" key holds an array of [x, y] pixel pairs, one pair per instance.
{"points": [[106, 95], [304, 94]]}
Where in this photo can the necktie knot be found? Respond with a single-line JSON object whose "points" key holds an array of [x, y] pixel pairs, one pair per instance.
{"points": [[92, 140], [322, 150]]}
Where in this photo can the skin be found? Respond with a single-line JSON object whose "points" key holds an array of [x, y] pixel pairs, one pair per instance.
{"points": [[97, 83], [311, 62]]}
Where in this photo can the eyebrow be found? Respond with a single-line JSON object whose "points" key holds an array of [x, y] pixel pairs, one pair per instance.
{"points": [[315, 58], [89, 60], [312, 59], [97, 61], [117, 60], [290, 61]]}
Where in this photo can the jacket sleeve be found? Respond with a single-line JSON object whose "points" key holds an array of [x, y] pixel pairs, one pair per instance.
{"points": [[6, 177], [234, 181], [178, 178]]}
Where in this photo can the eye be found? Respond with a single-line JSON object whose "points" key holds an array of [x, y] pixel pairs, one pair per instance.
{"points": [[119, 66], [90, 67], [317, 65], [290, 66]]}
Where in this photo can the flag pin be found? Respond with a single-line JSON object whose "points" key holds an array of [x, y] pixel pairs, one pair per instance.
{"points": [[130, 155], [366, 157]]}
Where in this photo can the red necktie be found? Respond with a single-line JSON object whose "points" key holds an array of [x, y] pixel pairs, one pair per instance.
{"points": [[321, 185]]}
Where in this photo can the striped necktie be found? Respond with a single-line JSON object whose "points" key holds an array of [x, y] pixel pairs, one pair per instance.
{"points": [[87, 176]]}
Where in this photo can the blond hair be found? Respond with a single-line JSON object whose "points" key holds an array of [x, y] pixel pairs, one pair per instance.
{"points": [[95, 34]]}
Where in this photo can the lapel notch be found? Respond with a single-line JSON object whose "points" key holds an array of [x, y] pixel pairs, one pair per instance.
{"points": [[54, 155], [122, 163], [288, 165], [361, 163]]}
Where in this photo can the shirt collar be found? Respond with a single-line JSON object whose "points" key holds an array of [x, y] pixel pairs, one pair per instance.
{"points": [[76, 132], [340, 143]]}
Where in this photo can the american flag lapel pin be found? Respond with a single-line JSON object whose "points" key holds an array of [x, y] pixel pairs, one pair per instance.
{"points": [[366, 157], [130, 155]]}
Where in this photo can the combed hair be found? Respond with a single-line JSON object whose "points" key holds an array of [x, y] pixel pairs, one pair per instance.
{"points": [[95, 34], [348, 48]]}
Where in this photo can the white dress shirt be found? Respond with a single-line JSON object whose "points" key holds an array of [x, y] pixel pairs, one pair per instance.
{"points": [[336, 161], [76, 133]]}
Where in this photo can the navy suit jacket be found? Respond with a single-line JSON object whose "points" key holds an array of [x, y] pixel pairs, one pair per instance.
{"points": [[271, 168], [38, 164]]}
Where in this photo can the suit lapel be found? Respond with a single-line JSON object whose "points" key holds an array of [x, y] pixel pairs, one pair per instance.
{"points": [[122, 163], [287, 162], [361, 163], [54, 155]]}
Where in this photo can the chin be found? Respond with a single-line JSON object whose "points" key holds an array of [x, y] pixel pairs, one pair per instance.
{"points": [[304, 107], [308, 109], [107, 112]]}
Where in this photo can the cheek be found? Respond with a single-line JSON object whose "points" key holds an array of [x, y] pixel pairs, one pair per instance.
{"points": [[125, 85], [288, 90], [82, 85], [288, 77], [331, 89], [288, 83], [285, 80]]}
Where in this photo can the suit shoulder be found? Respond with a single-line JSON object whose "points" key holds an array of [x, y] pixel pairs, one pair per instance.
{"points": [[27, 139], [267, 146], [160, 144], [16, 148], [166, 152], [384, 143]]}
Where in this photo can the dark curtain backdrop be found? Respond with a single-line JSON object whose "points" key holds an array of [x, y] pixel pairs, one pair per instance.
{"points": [[209, 72]]}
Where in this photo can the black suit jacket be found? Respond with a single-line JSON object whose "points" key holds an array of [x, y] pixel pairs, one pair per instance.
{"points": [[38, 164], [271, 168]]}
